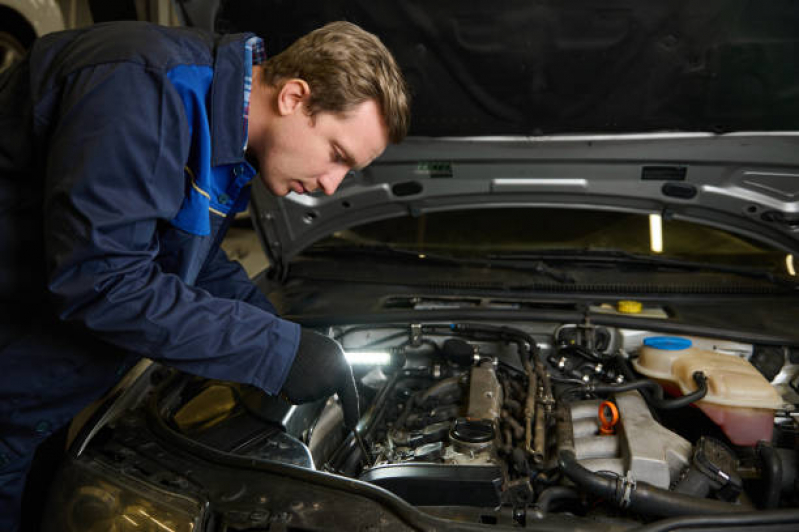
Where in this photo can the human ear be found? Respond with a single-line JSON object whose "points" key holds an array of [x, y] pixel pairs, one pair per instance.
{"points": [[292, 96]]}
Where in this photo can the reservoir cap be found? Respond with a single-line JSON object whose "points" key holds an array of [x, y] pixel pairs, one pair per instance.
{"points": [[668, 343], [629, 307]]}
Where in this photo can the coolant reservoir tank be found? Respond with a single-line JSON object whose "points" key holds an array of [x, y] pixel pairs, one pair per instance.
{"points": [[739, 399]]}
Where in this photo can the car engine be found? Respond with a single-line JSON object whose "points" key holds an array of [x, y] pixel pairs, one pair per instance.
{"points": [[570, 421], [518, 423]]}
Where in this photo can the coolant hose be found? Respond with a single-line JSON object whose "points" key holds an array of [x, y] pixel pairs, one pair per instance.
{"points": [[639, 496], [772, 474], [554, 494], [656, 397]]}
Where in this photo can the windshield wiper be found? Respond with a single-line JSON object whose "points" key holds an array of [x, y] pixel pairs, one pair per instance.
{"points": [[537, 266], [625, 257]]}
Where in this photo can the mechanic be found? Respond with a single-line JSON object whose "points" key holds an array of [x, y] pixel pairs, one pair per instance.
{"points": [[125, 151]]}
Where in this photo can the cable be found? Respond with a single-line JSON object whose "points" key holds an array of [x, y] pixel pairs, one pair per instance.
{"points": [[566, 380], [581, 351], [509, 367]]}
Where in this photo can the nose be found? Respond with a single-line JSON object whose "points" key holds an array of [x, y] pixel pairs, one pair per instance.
{"points": [[331, 180]]}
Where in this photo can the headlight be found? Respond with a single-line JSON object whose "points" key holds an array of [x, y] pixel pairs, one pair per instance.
{"points": [[89, 496]]}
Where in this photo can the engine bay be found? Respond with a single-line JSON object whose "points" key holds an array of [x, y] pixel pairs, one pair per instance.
{"points": [[534, 421]]}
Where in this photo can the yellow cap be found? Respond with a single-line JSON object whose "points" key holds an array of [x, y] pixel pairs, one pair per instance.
{"points": [[629, 307]]}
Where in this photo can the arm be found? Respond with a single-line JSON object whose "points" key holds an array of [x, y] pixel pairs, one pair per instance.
{"points": [[114, 168], [226, 278]]}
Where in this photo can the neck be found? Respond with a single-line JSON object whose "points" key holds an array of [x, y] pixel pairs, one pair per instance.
{"points": [[260, 111]]}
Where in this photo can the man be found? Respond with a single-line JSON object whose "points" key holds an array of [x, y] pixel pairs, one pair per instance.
{"points": [[125, 151]]}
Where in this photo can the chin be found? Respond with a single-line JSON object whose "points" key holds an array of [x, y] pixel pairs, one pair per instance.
{"points": [[277, 189]]}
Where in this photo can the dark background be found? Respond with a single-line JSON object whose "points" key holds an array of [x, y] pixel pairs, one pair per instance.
{"points": [[532, 67]]}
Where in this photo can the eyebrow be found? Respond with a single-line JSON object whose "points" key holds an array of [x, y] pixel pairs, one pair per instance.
{"points": [[347, 156]]}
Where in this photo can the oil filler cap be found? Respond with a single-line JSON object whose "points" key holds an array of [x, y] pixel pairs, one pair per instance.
{"points": [[608, 417], [668, 343], [472, 430]]}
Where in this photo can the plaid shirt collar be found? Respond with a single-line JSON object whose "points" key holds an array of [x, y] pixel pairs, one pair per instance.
{"points": [[254, 54]]}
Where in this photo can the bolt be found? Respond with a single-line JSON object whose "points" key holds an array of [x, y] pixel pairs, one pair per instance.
{"points": [[282, 517]]}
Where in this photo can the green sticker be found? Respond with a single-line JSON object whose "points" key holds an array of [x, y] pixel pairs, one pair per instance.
{"points": [[434, 168]]}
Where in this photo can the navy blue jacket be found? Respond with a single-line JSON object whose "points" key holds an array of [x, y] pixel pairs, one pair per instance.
{"points": [[121, 164]]}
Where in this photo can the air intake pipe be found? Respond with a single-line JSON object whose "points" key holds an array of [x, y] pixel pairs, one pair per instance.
{"points": [[625, 493]]}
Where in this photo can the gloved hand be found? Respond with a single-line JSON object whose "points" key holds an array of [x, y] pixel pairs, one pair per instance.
{"points": [[320, 370]]}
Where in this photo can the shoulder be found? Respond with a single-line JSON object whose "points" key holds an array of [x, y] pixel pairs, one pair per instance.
{"points": [[153, 47]]}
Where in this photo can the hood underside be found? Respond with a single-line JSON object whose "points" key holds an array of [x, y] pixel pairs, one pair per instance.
{"points": [[746, 184], [640, 106]]}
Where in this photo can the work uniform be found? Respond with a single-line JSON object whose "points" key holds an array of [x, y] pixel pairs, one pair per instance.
{"points": [[122, 162]]}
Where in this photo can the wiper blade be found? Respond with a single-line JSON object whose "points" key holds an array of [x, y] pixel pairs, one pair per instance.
{"points": [[533, 266], [618, 256]]}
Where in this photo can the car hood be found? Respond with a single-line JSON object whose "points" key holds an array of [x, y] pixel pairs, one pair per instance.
{"points": [[641, 105], [638, 105], [746, 183]]}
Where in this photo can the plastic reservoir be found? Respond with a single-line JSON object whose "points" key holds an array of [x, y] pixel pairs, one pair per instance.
{"points": [[739, 399]]}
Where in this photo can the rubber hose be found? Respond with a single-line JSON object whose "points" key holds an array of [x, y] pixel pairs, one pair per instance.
{"points": [[772, 474], [554, 494], [353, 462], [641, 497], [656, 399], [624, 367], [790, 466], [626, 370]]}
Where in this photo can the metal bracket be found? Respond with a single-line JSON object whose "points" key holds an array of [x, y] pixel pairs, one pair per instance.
{"points": [[416, 334]]}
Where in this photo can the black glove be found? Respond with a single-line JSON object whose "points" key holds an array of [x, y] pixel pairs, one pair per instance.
{"points": [[320, 370]]}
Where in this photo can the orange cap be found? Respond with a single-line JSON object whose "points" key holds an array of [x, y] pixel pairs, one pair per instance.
{"points": [[608, 417]]}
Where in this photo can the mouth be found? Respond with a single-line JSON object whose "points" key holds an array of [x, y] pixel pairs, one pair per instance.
{"points": [[298, 187]]}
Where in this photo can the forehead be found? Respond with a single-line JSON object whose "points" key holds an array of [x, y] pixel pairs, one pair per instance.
{"points": [[361, 132]]}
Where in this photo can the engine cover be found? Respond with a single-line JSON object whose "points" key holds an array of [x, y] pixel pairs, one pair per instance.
{"points": [[641, 448]]}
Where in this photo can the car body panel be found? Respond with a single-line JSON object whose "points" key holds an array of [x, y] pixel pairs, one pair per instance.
{"points": [[44, 16]]}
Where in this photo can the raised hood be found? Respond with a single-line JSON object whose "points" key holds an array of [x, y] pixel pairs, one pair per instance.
{"points": [[635, 104], [745, 183]]}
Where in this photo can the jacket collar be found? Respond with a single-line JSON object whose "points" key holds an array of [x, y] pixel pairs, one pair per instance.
{"points": [[227, 100]]}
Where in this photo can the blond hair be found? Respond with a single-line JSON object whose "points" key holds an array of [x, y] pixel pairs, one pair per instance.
{"points": [[345, 66]]}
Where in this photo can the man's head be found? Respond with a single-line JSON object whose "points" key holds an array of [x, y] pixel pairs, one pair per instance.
{"points": [[329, 103]]}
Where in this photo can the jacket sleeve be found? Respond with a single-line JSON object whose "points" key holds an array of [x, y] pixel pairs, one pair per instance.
{"points": [[223, 277], [114, 172]]}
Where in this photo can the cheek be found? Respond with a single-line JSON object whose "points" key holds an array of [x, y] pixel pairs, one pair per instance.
{"points": [[298, 153]]}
